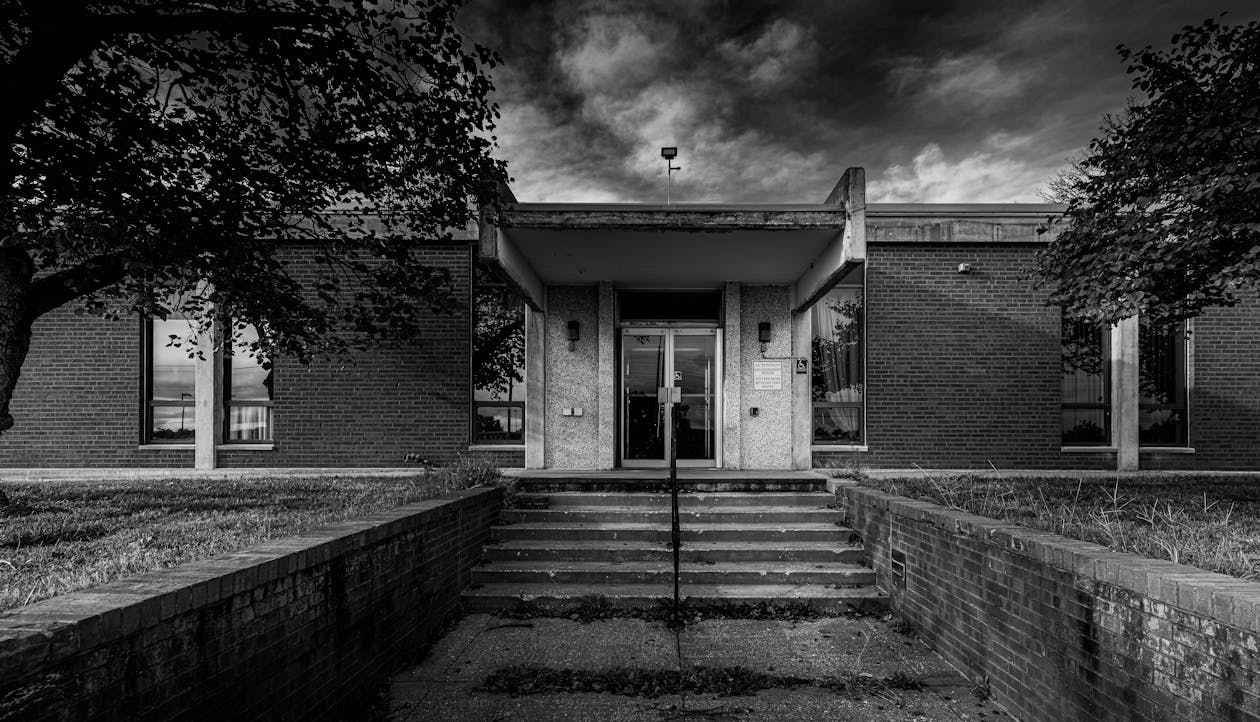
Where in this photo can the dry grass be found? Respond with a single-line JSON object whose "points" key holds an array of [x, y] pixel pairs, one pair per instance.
{"points": [[59, 536], [1210, 522]]}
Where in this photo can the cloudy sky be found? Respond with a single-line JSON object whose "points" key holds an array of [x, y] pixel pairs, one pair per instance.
{"points": [[960, 100]]}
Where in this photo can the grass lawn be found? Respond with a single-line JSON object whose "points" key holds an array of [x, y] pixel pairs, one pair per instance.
{"points": [[59, 536], [1211, 522]]}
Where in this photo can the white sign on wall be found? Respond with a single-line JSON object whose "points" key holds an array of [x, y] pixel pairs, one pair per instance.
{"points": [[768, 375]]}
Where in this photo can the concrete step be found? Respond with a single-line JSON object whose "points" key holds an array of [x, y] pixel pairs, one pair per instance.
{"points": [[687, 515], [812, 500], [559, 598], [543, 484], [659, 572], [793, 532], [540, 550]]}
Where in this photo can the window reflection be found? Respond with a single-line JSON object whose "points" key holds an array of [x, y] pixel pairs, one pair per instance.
{"points": [[498, 362], [248, 381], [170, 382], [838, 357], [1086, 384]]}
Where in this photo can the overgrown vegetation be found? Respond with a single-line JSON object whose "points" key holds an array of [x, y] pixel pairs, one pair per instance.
{"points": [[653, 683], [59, 536], [1210, 522]]}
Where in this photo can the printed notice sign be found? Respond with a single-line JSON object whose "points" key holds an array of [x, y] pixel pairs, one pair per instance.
{"points": [[768, 375]]}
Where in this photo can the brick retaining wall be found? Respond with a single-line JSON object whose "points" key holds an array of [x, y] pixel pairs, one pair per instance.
{"points": [[293, 629], [1064, 629]]}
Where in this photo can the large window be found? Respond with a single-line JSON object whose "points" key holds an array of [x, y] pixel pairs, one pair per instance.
{"points": [[1086, 385], [498, 363], [247, 388], [170, 383], [1162, 417], [838, 362]]}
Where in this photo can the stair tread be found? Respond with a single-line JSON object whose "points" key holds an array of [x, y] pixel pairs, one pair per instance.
{"points": [[769, 567], [729, 591], [731, 509], [683, 495], [617, 545], [619, 525]]}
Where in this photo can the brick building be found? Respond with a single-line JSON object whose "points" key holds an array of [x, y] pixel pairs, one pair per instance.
{"points": [[797, 335]]}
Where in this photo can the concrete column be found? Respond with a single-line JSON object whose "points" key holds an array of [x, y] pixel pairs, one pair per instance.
{"points": [[606, 376], [208, 398], [1124, 393], [535, 387], [732, 404], [802, 413]]}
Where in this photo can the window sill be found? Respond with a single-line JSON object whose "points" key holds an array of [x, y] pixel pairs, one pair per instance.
{"points": [[1087, 449], [246, 447], [1166, 449], [166, 446], [496, 447], [838, 447]]}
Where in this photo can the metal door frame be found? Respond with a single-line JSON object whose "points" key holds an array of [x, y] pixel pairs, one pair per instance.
{"points": [[669, 331]]}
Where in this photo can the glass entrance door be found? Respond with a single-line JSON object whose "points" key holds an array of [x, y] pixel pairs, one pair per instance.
{"points": [[689, 358]]}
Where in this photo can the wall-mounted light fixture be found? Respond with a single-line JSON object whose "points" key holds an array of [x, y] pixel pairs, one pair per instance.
{"points": [[575, 332], [964, 268], [763, 334]]}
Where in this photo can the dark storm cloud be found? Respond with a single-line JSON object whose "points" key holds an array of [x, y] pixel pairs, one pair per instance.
{"points": [[770, 101]]}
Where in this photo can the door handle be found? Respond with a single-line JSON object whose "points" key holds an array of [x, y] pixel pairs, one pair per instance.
{"points": [[668, 394]]}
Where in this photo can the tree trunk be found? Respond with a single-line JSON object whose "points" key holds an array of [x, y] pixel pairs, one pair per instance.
{"points": [[16, 271]]}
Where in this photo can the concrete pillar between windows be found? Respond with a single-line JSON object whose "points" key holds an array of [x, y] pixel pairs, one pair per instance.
{"points": [[535, 387], [732, 404], [208, 398], [802, 414], [1124, 393], [607, 453]]}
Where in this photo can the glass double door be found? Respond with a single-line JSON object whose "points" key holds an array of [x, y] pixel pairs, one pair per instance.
{"points": [[690, 359]]}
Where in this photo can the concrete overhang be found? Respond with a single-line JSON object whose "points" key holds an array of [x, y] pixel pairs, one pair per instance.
{"points": [[675, 246]]}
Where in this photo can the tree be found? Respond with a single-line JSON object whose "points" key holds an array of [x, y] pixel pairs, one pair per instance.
{"points": [[156, 154], [1163, 209]]}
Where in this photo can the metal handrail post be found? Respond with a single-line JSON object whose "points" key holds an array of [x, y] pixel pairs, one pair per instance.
{"points": [[675, 527]]}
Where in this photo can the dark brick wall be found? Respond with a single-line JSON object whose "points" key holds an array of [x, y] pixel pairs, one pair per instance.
{"points": [[963, 370], [1060, 629], [79, 399], [293, 629]]}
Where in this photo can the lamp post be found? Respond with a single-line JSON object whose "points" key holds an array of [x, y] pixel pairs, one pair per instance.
{"points": [[669, 154]]}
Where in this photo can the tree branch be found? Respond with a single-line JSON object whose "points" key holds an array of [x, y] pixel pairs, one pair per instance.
{"points": [[89, 276]]}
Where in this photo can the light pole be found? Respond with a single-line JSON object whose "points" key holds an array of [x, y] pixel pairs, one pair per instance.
{"points": [[669, 154]]}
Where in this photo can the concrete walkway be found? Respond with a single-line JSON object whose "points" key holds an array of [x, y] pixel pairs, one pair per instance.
{"points": [[446, 685]]}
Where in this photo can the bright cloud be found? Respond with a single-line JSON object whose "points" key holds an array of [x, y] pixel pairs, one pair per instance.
{"points": [[981, 177], [781, 54], [975, 80]]}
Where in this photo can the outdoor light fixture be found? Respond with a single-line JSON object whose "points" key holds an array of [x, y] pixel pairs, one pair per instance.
{"points": [[763, 334], [669, 154], [964, 268], [574, 333]]}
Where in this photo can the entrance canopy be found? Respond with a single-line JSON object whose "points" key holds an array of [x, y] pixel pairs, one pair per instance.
{"points": [[681, 245]]}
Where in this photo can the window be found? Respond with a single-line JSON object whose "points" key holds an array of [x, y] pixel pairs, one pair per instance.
{"points": [[170, 414], [1086, 384], [838, 360], [247, 389], [169, 383], [498, 372], [1162, 400]]}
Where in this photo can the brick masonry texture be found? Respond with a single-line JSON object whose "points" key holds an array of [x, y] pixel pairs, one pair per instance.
{"points": [[963, 370], [1063, 629], [78, 402], [300, 628]]}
